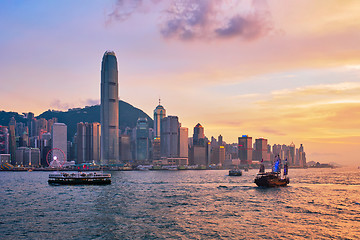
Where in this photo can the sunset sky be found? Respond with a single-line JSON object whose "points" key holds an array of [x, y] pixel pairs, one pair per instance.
{"points": [[288, 71]]}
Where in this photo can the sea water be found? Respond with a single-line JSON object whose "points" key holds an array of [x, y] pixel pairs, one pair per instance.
{"points": [[203, 204]]}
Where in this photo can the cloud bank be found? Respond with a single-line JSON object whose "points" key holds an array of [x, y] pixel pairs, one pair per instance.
{"points": [[203, 19]]}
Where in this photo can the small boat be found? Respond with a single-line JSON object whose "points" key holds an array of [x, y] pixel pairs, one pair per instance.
{"points": [[235, 172], [170, 168], [144, 167], [274, 178], [93, 178]]}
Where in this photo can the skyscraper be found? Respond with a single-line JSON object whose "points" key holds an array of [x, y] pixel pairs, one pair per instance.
{"points": [[291, 159], [81, 142], [218, 155], [95, 141], [142, 140], [169, 136], [301, 158], [59, 137], [183, 142], [109, 110], [199, 135], [4, 140], [30, 116], [245, 149], [261, 150], [12, 143], [125, 148], [159, 113], [88, 142]]}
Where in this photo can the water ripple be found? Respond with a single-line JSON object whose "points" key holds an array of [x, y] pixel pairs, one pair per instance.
{"points": [[318, 204]]}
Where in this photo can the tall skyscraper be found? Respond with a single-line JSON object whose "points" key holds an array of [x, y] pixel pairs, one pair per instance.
{"points": [[95, 129], [302, 158], [159, 113], [88, 142], [4, 140], [29, 116], [125, 148], [12, 143], [199, 135], [142, 140], [45, 143], [291, 159], [59, 137], [109, 110], [81, 143], [245, 149], [183, 142], [169, 136], [220, 140], [218, 155]]}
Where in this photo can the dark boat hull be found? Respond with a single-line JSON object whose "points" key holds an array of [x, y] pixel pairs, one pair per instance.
{"points": [[80, 181], [271, 181]]}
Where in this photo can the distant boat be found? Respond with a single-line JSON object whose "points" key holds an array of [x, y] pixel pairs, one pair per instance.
{"points": [[235, 172], [274, 178], [144, 167], [171, 168], [92, 178]]}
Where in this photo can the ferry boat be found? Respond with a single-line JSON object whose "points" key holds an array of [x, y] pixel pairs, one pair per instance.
{"points": [[170, 168], [274, 178], [235, 172], [93, 178], [144, 167]]}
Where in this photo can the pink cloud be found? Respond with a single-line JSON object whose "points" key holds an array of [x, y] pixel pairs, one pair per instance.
{"points": [[204, 19]]}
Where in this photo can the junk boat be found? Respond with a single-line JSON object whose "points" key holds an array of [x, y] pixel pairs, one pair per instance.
{"points": [[274, 178], [235, 172], [92, 178]]}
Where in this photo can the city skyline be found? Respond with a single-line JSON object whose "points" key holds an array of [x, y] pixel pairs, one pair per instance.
{"points": [[284, 77]]}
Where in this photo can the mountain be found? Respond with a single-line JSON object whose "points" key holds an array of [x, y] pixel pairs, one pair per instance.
{"points": [[128, 116], [6, 116]]}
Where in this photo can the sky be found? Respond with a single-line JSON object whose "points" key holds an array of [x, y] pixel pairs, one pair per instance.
{"points": [[288, 71]]}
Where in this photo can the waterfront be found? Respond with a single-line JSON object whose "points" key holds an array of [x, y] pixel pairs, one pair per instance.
{"points": [[319, 204]]}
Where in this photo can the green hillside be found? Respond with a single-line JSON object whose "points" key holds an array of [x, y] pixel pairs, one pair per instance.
{"points": [[128, 116]]}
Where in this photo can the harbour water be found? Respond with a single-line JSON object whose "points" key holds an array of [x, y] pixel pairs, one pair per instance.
{"points": [[208, 204]]}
